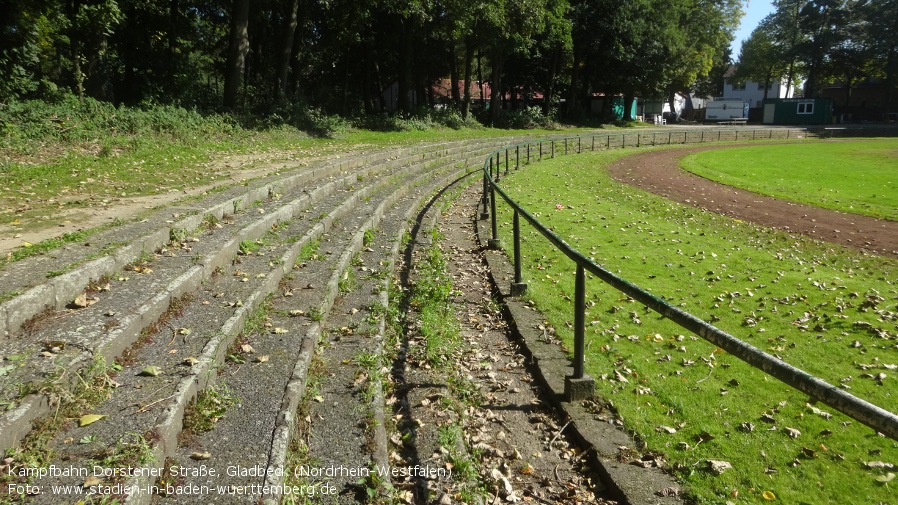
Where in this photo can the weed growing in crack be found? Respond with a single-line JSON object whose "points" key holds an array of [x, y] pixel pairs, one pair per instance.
{"points": [[248, 247], [348, 282], [368, 238], [432, 297], [210, 222], [464, 468], [131, 450], [210, 405], [309, 251], [315, 314], [91, 387], [298, 454]]}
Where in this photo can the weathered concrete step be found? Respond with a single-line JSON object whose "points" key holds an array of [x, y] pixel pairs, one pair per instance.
{"points": [[15, 422], [218, 347], [27, 279], [131, 307], [239, 484]]}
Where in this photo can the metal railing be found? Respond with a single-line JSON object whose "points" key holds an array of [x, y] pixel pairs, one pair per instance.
{"points": [[863, 411]]}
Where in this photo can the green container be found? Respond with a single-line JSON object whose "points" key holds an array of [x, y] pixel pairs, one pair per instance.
{"points": [[797, 111]]}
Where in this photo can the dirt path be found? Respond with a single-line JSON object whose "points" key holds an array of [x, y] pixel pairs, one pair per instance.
{"points": [[659, 173]]}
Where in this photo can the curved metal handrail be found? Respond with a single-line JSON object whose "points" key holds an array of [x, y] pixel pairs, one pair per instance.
{"points": [[863, 411]]}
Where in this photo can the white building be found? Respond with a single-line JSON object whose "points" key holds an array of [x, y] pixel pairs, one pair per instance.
{"points": [[752, 92]]}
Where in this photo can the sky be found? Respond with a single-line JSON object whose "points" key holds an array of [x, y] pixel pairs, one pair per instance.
{"points": [[755, 11]]}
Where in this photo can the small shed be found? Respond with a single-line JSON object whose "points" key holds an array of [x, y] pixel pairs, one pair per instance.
{"points": [[616, 106], [798, 111]]}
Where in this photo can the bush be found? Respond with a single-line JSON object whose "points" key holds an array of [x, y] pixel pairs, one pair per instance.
{"points": [[422, 119], [525, 119], [67, 119]]}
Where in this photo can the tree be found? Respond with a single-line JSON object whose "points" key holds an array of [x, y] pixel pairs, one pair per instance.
{"points": [[700, 38], [761, 58], [238, 47], [883, 32], [824, 23]]}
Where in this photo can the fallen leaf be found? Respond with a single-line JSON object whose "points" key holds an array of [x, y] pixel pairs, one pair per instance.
{"points": [[885, 478], [199, 456], [247, 348], [81, 301], [262, 359], [89, 419], [280, 331], [768, 495], [150, 371], [91, 481], [718, 467], [183, 331]]}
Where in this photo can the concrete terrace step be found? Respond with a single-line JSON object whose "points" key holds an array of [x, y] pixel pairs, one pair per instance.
{"points": [[56, 278], [115, 331], [200, 291]]}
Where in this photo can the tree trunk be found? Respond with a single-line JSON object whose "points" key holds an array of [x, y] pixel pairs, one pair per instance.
{"points": [[480, 79], [549, 92], [291, 21], [890, 83], [406, 89], [453, 77], [496, 85], [74, 6], [237, 49], [573, 101], [170, 67], [469, 63]]}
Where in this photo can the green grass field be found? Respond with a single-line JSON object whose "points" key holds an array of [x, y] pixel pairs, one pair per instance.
{"points": [[859, 177], [826, 309]]}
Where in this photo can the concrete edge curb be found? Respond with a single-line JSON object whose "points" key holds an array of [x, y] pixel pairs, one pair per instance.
{"points": [[630, 483]]}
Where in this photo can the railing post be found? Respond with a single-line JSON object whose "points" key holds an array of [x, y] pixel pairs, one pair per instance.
{"points": [[506, 162], [518, 287], [553, 148], [494, 243], [528, 153], [484, 214], [579, 386], [593, 143], [540, 150], [517, 157]]}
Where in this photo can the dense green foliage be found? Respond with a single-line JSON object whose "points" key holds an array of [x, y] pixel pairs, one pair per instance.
{"points": [[825, 309], [352, 57], [823, 41]]}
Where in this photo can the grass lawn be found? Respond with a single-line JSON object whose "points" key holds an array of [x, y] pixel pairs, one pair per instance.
{"points": [[825, 309], [859, 177], [40, 179]]}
